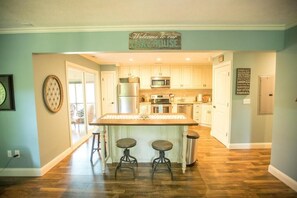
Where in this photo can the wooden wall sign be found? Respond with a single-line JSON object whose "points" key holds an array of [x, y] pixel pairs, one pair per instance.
{"points": [[154, 40], [243, 78]]}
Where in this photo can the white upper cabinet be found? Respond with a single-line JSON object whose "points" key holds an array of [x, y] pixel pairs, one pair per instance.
{"points": [[181, 77], [157, 70], [145, 77], [207, 77], [128, 71], [202, 77]]}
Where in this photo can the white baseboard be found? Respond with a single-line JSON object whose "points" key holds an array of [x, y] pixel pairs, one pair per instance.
{"points": [[20, 172], [36, 172], [283, 177], [54, 162], [249, 145]]}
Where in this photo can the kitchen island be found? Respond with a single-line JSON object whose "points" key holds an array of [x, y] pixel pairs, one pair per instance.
{"points": [[144, 129]]}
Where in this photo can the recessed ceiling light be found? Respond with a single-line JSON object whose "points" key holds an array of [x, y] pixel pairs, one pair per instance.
{"points": [[131, 59], [188, 59], [158, 59]]}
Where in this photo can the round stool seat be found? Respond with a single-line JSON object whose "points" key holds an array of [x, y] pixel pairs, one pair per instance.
{"points": [[162, 145], [126, 143]]}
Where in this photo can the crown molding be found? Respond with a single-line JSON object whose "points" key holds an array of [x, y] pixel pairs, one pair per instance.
{"points": [[140, 28]]}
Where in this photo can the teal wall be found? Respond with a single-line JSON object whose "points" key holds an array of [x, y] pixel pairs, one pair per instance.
{"points": [[284, 134], [247, 125], [18, 129]]}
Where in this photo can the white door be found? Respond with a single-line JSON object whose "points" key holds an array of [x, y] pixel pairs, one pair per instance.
{"points": [[221, 94], [108, 89]]}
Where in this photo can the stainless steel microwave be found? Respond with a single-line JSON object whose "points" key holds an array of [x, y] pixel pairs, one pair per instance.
{"points": [[160, 82]]}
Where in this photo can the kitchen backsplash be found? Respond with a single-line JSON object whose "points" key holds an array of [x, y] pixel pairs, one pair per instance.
{"points": [[187, 94]]}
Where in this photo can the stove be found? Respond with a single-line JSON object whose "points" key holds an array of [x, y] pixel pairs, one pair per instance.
{"points": [[160, 99], [160, 103]]}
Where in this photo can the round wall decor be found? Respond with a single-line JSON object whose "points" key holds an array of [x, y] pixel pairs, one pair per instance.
{"points": [[52, 93]]}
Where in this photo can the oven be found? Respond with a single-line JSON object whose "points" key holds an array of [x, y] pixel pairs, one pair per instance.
{"points": [[160, 104], [161, 108]]}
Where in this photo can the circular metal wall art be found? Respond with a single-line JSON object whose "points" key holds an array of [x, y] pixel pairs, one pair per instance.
{"points": [[53, 93]]}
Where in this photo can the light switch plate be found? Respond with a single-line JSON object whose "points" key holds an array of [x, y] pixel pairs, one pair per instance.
{"points": [[247, 101]]}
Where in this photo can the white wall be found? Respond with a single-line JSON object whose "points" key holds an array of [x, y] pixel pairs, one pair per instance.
{"points": [[53, 128]]}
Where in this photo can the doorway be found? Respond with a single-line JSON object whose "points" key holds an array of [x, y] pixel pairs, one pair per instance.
{"points": [[221, 93], [82, 86]]}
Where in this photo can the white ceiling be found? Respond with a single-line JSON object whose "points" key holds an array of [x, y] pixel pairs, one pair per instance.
{"points": [[24, 16], [63, 15]]}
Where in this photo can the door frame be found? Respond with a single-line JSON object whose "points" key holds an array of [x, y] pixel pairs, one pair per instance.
{"points": [[114, 89], [97, 95], [224, 64]]}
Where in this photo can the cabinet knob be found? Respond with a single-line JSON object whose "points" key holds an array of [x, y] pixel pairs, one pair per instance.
{"points": [[214, 106]]}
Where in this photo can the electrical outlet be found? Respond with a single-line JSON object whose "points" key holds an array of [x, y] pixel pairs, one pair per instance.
{"points": [[18, 153], [9, 153]]}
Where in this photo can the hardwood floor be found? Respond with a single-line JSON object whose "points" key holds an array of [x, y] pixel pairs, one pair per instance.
{"points": [[219, 172]]}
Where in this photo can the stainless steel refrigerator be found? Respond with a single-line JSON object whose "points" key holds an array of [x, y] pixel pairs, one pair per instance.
{"points": [[128, 97]]}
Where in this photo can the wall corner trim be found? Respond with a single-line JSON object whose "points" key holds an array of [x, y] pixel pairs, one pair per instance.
{"points": [[264, 145], [283, 177]]}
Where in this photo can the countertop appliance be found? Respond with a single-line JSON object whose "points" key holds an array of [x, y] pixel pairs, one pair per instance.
{"points": [[160, 104], [128, 97], [185, 108], [160, 82]]}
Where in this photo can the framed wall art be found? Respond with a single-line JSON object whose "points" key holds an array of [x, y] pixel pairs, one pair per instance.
{"points": [[52, 93], [6, 93]]}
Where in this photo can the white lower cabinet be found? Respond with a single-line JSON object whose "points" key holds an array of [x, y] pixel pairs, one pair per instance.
{"points": [[145, 107], [174, 108], [202, 114], [197, 112]]}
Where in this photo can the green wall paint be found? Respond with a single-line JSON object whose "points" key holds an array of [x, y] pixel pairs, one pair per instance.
{"points": [[247, 125], [284, 145]]}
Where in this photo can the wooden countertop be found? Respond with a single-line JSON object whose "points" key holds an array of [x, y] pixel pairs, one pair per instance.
{"points": [[152, 120]]}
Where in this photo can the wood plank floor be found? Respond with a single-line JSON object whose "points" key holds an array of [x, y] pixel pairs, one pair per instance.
{"points": [[218, 173]]}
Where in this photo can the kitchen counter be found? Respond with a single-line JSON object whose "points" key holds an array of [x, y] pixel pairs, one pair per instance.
{"points": [[190, 102], [145, 130], [147, 120]]}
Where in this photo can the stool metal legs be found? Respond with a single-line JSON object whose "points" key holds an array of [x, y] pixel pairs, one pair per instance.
{"points": [[161, 160], [126, 158]]}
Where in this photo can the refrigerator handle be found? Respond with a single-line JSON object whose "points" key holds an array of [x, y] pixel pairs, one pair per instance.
{"points": [[119, 89]]}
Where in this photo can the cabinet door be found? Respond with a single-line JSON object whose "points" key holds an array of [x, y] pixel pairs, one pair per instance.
{"points": [[145, 108], [175, 77], [174, 108], [155, 70], [165, 70], [206, 114], [145, 77], [197, 113], [197, 77], [207, 77], [134, 70], [186, 77], [124, 71]]}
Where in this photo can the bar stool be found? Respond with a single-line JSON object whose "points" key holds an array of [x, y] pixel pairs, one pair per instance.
{"points": [[96, 135], [126, 143], [162, 146]]}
